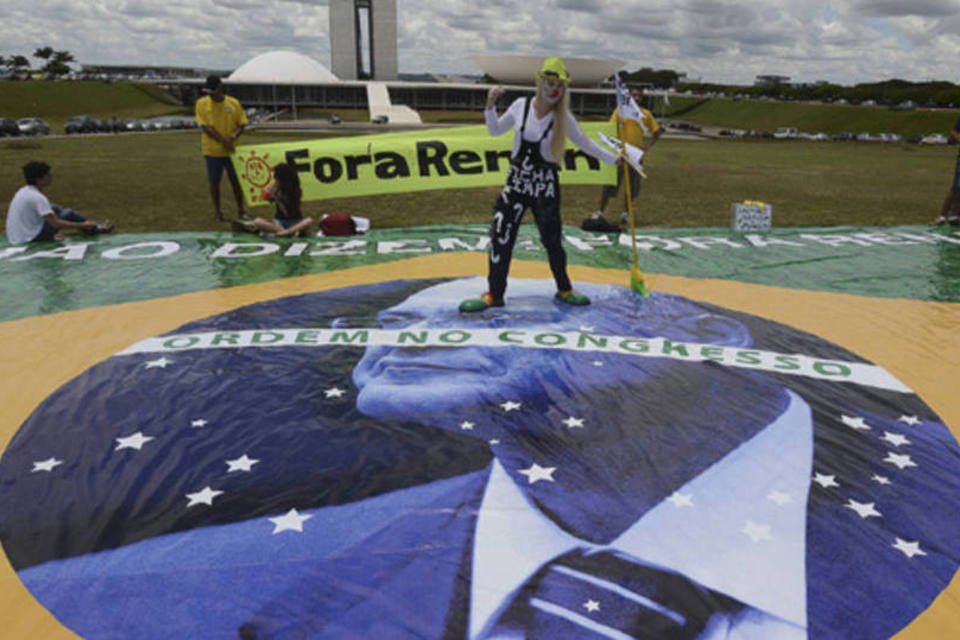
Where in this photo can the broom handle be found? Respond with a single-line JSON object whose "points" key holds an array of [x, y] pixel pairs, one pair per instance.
{"points": [[626, 181]]}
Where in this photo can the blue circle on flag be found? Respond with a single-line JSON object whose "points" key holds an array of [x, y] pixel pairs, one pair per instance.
{"points": [[369, 462]]}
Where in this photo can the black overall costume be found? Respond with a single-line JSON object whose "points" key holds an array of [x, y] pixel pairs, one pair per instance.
{"points": [[531, 182]]}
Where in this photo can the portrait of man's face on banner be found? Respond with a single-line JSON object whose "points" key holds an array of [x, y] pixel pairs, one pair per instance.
{"points": [[398, 469]]}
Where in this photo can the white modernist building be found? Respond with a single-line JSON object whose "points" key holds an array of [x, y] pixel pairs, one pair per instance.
{"points": [[287, 76], [519, 70], [282, 67], [363, 48], [363, 39]]}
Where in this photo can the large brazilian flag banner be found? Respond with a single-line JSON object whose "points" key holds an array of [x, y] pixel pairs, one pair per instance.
{"points": [[215, 436], [421, 160]]}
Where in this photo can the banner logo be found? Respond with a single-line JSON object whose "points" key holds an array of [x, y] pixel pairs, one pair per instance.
{"points": [[256, 174]]}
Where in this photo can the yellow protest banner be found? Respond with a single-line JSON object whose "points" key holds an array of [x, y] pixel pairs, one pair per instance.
{"points": [[452, 158]]}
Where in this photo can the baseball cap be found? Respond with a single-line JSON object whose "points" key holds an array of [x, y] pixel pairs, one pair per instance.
{"points": [[212, 84]]}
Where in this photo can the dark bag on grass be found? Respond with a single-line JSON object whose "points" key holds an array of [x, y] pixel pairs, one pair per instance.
{"points": [[338, 223], [600, 225]]}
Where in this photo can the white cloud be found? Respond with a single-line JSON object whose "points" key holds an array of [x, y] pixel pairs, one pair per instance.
{"points": [[843, 41]]}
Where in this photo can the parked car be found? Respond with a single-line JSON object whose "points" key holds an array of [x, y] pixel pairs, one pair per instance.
{"points": [[80, 124], [33, 127], [8, 127], [684, 126], [335, 119], [843, 136], [914, 139], [785, 133], [381, 119], [934, 138]]}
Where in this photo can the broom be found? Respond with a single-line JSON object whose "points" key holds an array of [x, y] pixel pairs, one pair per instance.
{"points": [[636, 276]]}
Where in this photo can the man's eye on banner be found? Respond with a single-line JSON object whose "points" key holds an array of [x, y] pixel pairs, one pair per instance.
{"points": [[369, 463]]}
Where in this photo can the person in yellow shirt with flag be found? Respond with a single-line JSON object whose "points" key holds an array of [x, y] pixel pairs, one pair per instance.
{"points": [[222, 120], [643, 134]]}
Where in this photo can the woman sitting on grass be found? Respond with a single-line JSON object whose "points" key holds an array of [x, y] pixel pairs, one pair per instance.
{"points": [[286, 194]]}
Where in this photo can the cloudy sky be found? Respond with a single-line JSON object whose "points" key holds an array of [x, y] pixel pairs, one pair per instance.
{"points": [[843, 41]]}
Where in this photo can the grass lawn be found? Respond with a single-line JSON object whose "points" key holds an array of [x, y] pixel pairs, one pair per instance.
{"points": [[156, 182], [811, 117], [57, 102]]}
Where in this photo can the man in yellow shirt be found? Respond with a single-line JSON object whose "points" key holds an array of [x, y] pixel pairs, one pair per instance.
{"points": [[642, 135], [222, 120]]}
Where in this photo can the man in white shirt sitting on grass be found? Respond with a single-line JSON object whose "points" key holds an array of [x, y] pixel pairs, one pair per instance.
{"points": [[32, 218]]}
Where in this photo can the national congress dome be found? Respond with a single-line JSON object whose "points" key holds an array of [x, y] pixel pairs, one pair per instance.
{"points": [[282, 67]]}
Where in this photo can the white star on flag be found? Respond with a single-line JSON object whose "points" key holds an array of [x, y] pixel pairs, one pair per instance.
{"points": [[46, 465], [334, 392], [494, 441], [779, 498], [204, 496], [243, 463], [895, 439], [199, 423], [466, 425], [880, 479], [597, 363], [908, 549], [591, 606], [536, 473], [825, 481], [901, 460], [290, 521], [572, 422], [857, 423], [910, 420], [160, 362], [136, 441], [680, 500], [509, 405], [864, 509], [586, 328], [756, 532]]}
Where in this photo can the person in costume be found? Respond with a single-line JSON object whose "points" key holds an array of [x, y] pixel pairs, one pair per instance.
{"points": [[541, 127]]}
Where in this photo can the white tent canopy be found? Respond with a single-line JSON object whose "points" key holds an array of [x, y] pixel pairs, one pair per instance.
{"points": [[282, 67]]}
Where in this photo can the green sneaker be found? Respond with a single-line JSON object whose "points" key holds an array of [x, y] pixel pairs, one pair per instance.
{"points": [[572, 297], [472, 305]]}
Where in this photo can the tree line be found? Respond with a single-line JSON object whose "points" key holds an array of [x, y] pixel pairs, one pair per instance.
{"points": [[888, 92], [55, 63]]}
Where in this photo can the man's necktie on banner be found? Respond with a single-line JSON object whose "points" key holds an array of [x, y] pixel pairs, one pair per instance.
{"points": [[605, 593]]}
